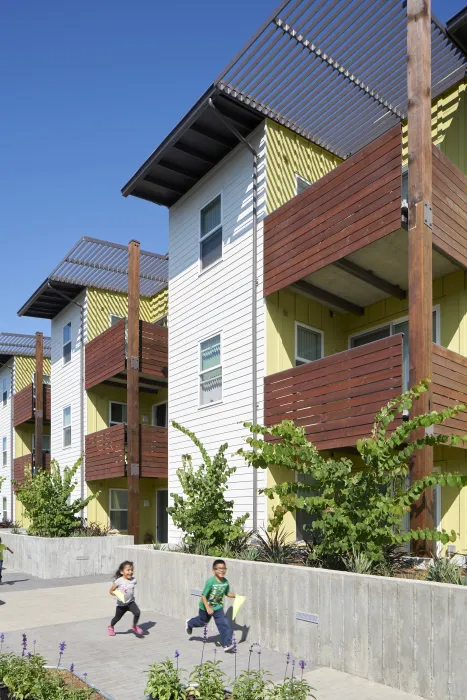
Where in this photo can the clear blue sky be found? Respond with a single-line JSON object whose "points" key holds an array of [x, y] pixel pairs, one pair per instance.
{"points": [[88, 90]]}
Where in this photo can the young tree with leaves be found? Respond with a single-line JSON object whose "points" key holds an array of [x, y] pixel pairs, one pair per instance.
{"points": [[355, 510], [45, 496], [203, 513]]}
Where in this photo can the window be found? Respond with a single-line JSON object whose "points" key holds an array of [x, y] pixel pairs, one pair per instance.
{"points": [[4, 452], [210, 375], [45, 379], [117, 413], [211, 233], [163, 322], [308, 344], [114, 319], [4, 509], [4, 390], [67, 426], [118, 509], [45, 443], [301, 184], [159, 415], [67, 343]]}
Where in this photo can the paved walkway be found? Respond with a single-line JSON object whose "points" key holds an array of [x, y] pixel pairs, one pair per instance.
{"points": [[77, 611]]}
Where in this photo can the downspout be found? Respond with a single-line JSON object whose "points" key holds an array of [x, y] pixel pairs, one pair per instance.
{"points": [[81, 432], [12, 492], [254, 290]]}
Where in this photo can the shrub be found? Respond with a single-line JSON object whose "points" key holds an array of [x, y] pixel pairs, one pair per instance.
{"points": [[274, 547], [88, 529], [361, 509], [250, 685], [210, 680], [9, 524], [164, 681], [47, 503], [443, 570], [290, 689], [203, 512]]}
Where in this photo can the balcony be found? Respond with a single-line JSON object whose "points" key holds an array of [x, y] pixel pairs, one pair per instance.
{"points": [[449, 387], [105, 357], [343, 240], [106, 453], [21, 463], [24, 404]]}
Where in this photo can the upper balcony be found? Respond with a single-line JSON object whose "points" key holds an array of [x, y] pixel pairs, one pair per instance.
{"points": [[24, 404], [344, 239], [106, 356], [336, 398], [20, 464], [106, 453]]}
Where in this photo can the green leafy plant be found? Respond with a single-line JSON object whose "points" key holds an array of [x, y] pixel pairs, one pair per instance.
{"points": [[89, 529], [359, 563], [164, 681], [203, 512], [275, 547], [209, 680], [290, 689], [443, 570], [46, 497], [250, 685], [251, 553], [361, 509]]}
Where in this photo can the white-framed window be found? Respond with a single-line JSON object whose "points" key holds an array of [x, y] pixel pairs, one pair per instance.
{"points": [[67, 343], [114, 319], [309, 344], [117, 413], [45, 443], [67, 426], [210, 371], [210, 246], [163, 321], [159, 414], [118, 509], [4, 390], [45, 379], [400, 325], [4, 452], [301, 184], [4, 509]]}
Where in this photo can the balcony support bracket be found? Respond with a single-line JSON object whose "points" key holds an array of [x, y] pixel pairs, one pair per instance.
{"points": [[134, 470], [428, 214], [134, 363]]}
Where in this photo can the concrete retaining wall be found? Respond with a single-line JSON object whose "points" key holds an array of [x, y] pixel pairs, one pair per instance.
{"points": [[63, 557], [407, 634]]}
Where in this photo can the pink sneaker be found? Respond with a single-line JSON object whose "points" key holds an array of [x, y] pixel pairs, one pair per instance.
{"points": [[110, 631], [136, 629]]}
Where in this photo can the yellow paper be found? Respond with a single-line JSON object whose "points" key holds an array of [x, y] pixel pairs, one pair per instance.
{"points": [[118, 594], [238, 602]]}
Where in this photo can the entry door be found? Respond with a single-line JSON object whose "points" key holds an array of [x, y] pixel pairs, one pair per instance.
{"points": [[162, 529]]}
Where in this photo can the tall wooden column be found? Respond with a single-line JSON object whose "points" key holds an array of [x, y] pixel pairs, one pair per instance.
{"points": [[420, 230], [39, 405], [133, 455]]}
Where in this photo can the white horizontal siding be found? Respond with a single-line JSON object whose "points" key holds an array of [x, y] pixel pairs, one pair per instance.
{"points": [[6, 430], [219, 300]]}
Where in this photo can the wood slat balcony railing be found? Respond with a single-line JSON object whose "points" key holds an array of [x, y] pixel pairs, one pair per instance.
{"points": [[106, 354], [356, 204], [336, 398], [24, 403], [106, 453], [449, 387], [449, 208], [20, 464]]}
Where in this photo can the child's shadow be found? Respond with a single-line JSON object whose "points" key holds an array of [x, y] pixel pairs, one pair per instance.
{"points": [[216, 639], [145, 626]]}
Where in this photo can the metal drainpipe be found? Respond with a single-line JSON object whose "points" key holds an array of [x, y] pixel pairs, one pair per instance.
{"points": [[81, 432], [254, 304], [12, 493]]}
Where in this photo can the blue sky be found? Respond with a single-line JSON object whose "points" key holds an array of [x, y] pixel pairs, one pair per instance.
{"points": [[89, 89]]}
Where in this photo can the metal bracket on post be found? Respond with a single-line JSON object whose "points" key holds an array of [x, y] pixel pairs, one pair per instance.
{"points": [[38, 412], [134, 363], [135, 470], [428, 215]]}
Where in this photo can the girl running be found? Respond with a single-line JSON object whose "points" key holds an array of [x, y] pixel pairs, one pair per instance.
{"points": [[123, 589]]}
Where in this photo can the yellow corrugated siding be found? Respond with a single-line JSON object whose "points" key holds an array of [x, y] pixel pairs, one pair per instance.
{"points": [[24, 369], [447, 123], [102, 303], [288, 153]]}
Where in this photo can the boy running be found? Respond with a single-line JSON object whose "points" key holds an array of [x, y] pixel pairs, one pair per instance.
{"points": [[212, 604]]}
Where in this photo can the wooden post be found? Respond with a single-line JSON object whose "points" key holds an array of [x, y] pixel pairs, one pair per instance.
{"points": [[39, 401], [420, 232], [133, 452]]}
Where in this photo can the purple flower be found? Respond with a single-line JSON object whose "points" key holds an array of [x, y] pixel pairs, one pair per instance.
{"points": [[288, 657], [177, 654], [205, 634], [234, 642], [61, 648], [24, 644], [85, 675], [29, 654], [72, 668], [302, 664]]}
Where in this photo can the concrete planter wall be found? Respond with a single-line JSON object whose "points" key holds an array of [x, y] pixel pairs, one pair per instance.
{"points": [[63, 557], [410, 635]]}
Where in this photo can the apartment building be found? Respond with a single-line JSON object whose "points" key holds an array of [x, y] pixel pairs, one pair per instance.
{"points": [[86, 299], [298, 249], [23, 410]]}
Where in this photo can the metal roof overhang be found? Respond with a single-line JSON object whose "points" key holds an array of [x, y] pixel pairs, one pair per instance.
{"points": [[17, 344], [333, 71]]}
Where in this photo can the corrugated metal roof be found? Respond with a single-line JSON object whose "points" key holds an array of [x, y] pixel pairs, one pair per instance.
{"points": [[14, 344], [334, 71], [94, 263]]}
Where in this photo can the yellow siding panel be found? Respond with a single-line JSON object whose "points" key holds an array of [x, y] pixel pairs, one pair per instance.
{"points": [[98, 405], [24, 370], [288, 154], [102, 303]]}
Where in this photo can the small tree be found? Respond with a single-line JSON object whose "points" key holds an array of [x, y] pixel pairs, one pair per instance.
{"points": [[359, 511], [203, 513], [46, 500]]}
